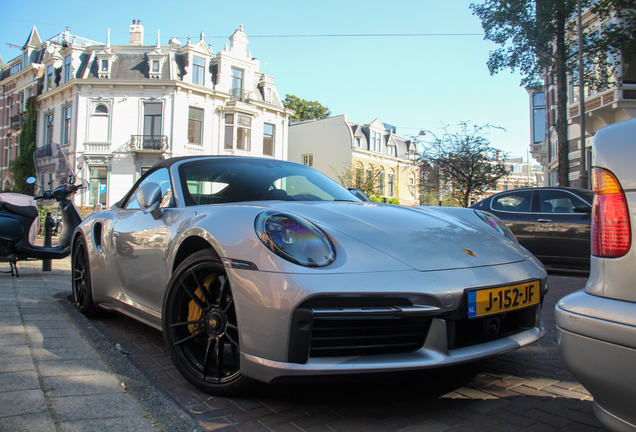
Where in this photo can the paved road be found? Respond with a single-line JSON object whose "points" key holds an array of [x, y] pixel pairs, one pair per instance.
{"points": [[526, 390]]}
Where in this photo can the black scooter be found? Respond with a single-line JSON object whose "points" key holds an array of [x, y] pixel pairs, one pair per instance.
{"points": [[19, 216]]}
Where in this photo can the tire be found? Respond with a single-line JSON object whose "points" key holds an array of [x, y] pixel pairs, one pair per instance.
{"points": [[81, 279], [200, 326]]}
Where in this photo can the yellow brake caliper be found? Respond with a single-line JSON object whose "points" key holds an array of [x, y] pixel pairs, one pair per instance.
{"points": [[194, 311]]}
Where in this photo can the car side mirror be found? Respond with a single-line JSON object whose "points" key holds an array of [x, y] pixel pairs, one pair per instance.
{"points": [[149, 199], [582, 209]]}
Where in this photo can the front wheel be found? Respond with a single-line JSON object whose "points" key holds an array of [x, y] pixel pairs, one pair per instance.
{"points": [[81, 274], [200, 325]]}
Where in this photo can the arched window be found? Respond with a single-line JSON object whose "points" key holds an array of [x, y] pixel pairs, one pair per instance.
{"points": [[99, 127], [101, 109]]}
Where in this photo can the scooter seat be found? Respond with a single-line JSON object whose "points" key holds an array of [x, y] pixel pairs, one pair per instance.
{"points": [[18, 204]]}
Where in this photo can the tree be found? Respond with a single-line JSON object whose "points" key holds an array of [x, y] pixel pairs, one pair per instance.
{"points": [[305, 110], [466, 159], [539, 38], [532, 35], [23, 165]]}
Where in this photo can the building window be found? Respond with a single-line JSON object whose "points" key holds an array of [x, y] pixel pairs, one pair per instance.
{"points": [[152, 119], [67, 68], [237, 83], [195, 125], [104, 67], [268, 139], [411, 187], [538, 117], [376, 141], [198, 70], [8, 154], [99, 128], [49, 77], [391, 185], [381, 183], [357, 142], [391, 150], [49, 129], [98, 181], [66, 133], [240, 126], [308, 160], [359, 178], [155, 66], [16, 68]]}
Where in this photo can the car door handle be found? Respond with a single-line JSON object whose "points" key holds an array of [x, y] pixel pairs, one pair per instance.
{"points": [[544, 220]]}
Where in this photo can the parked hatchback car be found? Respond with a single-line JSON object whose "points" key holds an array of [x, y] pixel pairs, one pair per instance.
{"points": [[551, 222], [597, 326]]}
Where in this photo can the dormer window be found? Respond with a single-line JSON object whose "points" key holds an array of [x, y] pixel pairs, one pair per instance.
{"points": [[155, 66], [49, 77], [376, 138], [67, 68], [198, 70], [16, 68], [391, 150], [237, 83], [104, 67]]}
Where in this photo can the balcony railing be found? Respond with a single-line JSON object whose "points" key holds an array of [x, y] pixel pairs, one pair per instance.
{"points": [[44, 151], [18, 121], [239, 94], [149, 143]]}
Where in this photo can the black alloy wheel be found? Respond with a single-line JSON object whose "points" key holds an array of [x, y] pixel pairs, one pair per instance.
{"points": [[81, 274], [200, 325]]}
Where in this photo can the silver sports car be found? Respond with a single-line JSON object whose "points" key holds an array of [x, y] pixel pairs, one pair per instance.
{"points": [[268, 270]]}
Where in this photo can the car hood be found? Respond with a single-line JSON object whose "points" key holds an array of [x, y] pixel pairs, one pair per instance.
{"points": [[423, 238]]}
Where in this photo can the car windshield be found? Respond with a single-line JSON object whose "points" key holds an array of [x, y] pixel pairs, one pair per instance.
{"points": [[218, 180]]}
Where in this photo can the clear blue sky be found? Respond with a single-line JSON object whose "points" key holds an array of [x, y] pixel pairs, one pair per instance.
{"points": [[412, 82]]}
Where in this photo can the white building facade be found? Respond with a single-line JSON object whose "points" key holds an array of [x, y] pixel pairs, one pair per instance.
{"points": [[117, 110]]}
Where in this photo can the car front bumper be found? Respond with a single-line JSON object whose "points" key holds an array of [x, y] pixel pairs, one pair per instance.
{"points": [[597, 341], [266, 304], [434, 354]]}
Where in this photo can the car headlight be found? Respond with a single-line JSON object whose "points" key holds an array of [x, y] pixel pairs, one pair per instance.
{"points": [[496, 224], [294, 239]]}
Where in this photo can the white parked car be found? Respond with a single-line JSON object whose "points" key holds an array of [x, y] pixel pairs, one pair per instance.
{"points": [[597, 325]]}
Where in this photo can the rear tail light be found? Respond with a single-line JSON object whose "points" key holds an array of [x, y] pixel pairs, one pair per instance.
{"points": [[611, 228]]}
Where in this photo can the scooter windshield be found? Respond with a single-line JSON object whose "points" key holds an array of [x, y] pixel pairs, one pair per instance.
{"points": [[53, 168]]}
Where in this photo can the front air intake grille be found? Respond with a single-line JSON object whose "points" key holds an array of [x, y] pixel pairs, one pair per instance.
{"points": [[352, 331], [365, 334]]}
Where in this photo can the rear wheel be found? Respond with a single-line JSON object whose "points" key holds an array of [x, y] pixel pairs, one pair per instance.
{"points": [[81, 274], [200, 325]]}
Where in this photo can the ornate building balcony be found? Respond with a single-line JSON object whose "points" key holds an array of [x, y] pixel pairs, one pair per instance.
{"points": [[149, 143], [17, 121]]}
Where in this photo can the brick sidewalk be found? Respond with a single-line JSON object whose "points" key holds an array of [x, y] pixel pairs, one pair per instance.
{"points": [[526, 390]]}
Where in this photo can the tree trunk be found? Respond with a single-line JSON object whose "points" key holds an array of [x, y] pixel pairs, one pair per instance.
{"points": [[562, 100]]}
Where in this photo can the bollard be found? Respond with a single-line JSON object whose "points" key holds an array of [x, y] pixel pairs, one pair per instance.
{"points": [[48, 226]]}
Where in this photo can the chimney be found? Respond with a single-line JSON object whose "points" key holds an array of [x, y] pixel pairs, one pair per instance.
{"points": [[136, 33]]}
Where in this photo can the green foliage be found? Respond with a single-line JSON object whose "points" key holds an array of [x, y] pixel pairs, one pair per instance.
{"points": [[379, 199], [465, 159], [539, 37], [306, 110], [24, 166]]}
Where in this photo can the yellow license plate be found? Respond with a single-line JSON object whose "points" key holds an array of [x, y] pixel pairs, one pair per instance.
{"points": [[502, 299]]}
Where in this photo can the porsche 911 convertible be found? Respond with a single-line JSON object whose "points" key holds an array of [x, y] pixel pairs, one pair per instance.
{"points": [[260, 269]]}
